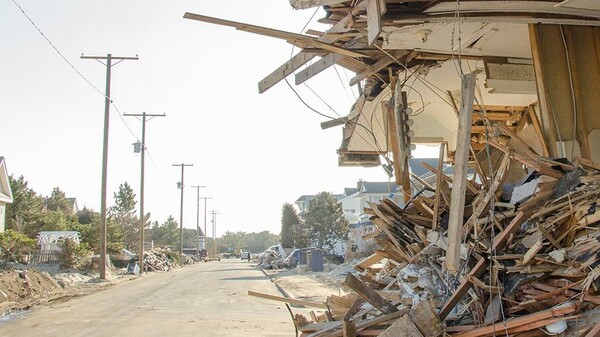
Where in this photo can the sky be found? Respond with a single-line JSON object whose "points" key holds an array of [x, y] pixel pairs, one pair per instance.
{"points": [[253, 152]]}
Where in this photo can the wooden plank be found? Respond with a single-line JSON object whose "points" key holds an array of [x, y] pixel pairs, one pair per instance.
{"points": [[373, 20], [284, 70], [581, 133], [426, 320], [288, 300], [304, 4], [349, 329], [317, 67], [404, 327], [378, 66], [534, 40], [520, 321], [595, 332], [501, 239], [461, 167], [462, 289], [438, 184], [588, 163], [394, 140], [402, 177], [369, 295], [538, 129], [302, 58]]}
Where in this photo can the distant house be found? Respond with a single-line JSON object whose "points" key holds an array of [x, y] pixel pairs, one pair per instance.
{"points": [[303, 202], [73, 203], [5, 193]]}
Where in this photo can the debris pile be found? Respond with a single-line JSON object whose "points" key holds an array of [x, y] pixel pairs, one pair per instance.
{"points": [[161, 259], [529, 261], [17, 286]]}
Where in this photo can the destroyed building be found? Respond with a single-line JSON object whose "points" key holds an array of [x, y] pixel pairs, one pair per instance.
{"points": [[509, 89]]}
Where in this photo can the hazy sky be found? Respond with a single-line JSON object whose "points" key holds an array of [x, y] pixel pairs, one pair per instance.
{"points": [[253, 151]]}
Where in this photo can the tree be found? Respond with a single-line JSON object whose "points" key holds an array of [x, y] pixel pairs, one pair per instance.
{"points": [[165, 234], [24, 213], [122, 214], [293, 230], [325, 221], [58, 202], [13, 245]]}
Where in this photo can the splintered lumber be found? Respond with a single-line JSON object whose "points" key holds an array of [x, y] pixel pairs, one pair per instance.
{"points": [[369, 261], [521, 321], [288, 300], [462, 289], [438, 183], [369, 295], [595, 332], [426, 320], [349, 329], [404, 327], [461, 167]]}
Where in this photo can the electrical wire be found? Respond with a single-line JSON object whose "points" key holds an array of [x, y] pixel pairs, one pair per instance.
{"points": [[58, 51], [141, 62], [74, 68]]}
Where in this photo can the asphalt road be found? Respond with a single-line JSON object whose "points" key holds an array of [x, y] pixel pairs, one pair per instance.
{"points": [[206, 299]]}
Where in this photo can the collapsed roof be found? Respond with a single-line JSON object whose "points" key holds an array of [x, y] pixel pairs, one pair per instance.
{"points": [[536, 67]]}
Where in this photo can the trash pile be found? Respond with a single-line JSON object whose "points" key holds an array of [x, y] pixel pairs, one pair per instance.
{"points": [[529, 262], [161, 259]]}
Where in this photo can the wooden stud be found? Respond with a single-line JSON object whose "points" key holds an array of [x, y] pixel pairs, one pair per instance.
{"points": [[349, 329], [369, 295], [535, 42], [438, 184], [461, 166]]}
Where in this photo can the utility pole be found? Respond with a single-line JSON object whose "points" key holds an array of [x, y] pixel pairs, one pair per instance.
{"points": [[109, 58], [205, 232], [181, 210], [198, 220], [214, 229], [143, 150]]}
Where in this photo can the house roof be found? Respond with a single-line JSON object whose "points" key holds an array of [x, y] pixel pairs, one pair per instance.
{"points": [[6, 196], [350, 190]]}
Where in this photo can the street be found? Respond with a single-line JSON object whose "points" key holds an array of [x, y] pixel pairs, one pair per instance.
{"points": [[206, 299]]}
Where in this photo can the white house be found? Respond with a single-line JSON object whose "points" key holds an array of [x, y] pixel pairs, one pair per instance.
{"points": [[5, 193]]}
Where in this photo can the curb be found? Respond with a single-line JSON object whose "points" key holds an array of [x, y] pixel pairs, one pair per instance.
{"points": [[281, 290]]}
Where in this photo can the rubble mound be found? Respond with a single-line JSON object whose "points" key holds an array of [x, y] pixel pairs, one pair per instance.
{"points": [[21, 285]]}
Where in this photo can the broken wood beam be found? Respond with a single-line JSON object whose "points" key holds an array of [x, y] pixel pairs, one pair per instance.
{"points": [[288, 300], [438, 189], [369, 295], [461, 167]]}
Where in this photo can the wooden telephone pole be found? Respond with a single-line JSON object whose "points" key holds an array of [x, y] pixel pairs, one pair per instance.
{"points": [[181, 209], [109, 64], [143, 150]]}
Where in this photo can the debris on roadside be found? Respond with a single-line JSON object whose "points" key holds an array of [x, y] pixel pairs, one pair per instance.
{"points": [[529, 256], [161, 259]]}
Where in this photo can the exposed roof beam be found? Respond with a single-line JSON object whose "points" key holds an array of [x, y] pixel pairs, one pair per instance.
{"points": [[302, 58], [377, 67], [304, 40], [548, 7], [304, 4], [317, 67]]}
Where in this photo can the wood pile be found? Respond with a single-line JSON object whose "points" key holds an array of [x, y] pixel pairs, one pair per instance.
{"points": [[160, 259], [529, 255]]}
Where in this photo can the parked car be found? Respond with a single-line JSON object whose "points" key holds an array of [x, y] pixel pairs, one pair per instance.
{"points": [[246, 256]]}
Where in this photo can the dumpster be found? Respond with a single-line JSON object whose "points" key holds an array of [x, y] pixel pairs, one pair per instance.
{"points": [[314, 259]]}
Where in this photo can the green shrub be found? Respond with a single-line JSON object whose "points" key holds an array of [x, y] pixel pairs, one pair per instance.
{"points": [[72, 253], [14, 244]]}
